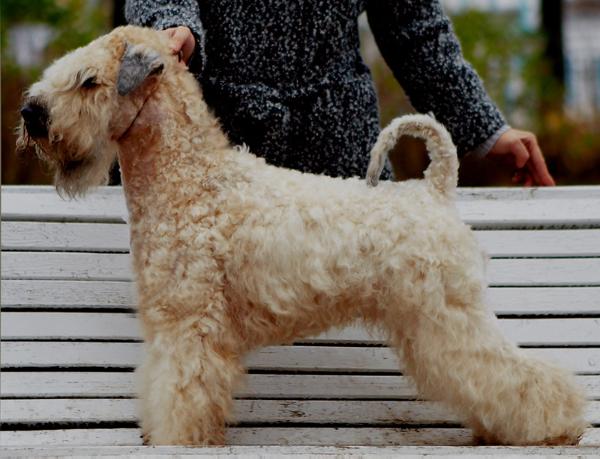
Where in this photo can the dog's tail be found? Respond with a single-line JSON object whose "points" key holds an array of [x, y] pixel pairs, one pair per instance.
{"points": [[442, 172]]}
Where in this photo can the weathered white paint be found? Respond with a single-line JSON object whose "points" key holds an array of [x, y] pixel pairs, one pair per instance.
{"points": [[29, 384], [345, 359], [485, 207], [114, 237], [117, 267], [371, 412], [83, 237], [74, 293], [252, 436], [124, 326], [311, 452], [48, 294]]}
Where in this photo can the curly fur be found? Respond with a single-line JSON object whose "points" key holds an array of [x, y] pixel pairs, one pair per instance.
{"points": [[231, 254]]}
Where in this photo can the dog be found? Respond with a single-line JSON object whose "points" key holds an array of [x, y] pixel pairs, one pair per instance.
{"points": [[231, 253]]}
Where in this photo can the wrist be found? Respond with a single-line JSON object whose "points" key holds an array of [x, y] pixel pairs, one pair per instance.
{"points": [[482, 150]]}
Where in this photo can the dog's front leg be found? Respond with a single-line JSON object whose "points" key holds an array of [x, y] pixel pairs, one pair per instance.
{"points": [[186, 383]]}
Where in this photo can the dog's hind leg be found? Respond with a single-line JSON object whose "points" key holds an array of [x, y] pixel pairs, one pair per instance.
{"points": [[186, 383], [454, 350]]}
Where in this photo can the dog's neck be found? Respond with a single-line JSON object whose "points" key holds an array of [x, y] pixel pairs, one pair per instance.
{"points": [[174, 152]]}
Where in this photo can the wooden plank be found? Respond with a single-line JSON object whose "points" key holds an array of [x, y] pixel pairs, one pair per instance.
{"points": [[29, 384], [247, 411], [58, 325], [540, 206], [252, 436], [108, 294], [530, 332], [71, 294], [307, 452], [497, 208], [463, 193], [118, 326], [69, 354], [87, 266], [105, 204], [544, 300], [112, 384], [550, 213], [540, 243], [117, 267], [126, 442], [109, 237], [372, 412], [82, 237], [346, 359], [515, 193]]}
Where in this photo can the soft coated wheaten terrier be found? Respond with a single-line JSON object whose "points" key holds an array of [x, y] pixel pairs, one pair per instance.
{"points": [[231, 253]]}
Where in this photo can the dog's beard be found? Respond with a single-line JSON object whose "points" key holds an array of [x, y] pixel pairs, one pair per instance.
{"points": [[76, 174]]}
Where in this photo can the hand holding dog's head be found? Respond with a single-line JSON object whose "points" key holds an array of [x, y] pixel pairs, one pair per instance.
{"points": [[87, 100]]}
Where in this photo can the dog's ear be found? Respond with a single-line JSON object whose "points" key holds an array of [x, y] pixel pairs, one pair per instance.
{"points": [[138, 63]]}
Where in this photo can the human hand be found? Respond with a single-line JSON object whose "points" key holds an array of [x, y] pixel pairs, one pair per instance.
{"points": [[521, 150], [181, 42]]}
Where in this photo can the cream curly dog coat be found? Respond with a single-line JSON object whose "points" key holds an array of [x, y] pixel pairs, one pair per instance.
{"points": [[232, 254]]}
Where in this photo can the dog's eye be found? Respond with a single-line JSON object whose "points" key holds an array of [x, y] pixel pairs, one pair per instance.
{"points": [[90, 83]]}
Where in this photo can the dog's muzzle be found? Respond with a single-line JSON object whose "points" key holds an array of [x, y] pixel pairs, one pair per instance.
{"points": [[36, 119]]}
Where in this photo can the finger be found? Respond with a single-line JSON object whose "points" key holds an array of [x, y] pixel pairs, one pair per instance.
{"points": [[532, 164], [528, 181], [178, 39], [520, 153], [188, 46], [537, 163]]}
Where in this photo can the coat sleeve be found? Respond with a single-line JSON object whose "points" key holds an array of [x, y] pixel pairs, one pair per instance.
{"points": [[163, 14], [416, 40]]}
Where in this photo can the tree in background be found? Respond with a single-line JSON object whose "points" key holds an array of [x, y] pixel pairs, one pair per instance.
{"points": [[68, 24]]}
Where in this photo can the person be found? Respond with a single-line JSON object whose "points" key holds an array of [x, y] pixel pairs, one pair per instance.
{"points": [[287, 79]]}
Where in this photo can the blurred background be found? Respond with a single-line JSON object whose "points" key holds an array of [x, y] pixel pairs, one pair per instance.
{"points": [[539, 60]]}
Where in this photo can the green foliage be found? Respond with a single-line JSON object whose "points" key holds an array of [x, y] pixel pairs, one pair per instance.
{"points": [[502, 52], [75, 22]]}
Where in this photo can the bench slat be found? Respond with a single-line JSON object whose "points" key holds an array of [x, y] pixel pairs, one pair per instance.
{"points": [[496, 208], [311, 451], [373, 412], [111, 384], [98, 384], [106, 204], [83, 237], [296, 358], [287, 358], [115, 326], [117, 267], [93, 237], [247, 411], [109, 294], [65, 294], [252, 436], [386, 437]]}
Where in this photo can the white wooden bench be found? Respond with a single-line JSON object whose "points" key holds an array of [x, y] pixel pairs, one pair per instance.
{"points": [[70, 340]]}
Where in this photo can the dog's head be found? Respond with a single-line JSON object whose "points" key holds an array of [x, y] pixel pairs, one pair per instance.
{"points": [[87, 100]]}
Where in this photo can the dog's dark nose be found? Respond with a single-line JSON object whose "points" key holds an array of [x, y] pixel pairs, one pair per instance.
{"points": [[36, 119]]}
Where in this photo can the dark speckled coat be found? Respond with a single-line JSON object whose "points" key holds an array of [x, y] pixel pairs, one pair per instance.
{"points": [[286, 77]]}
